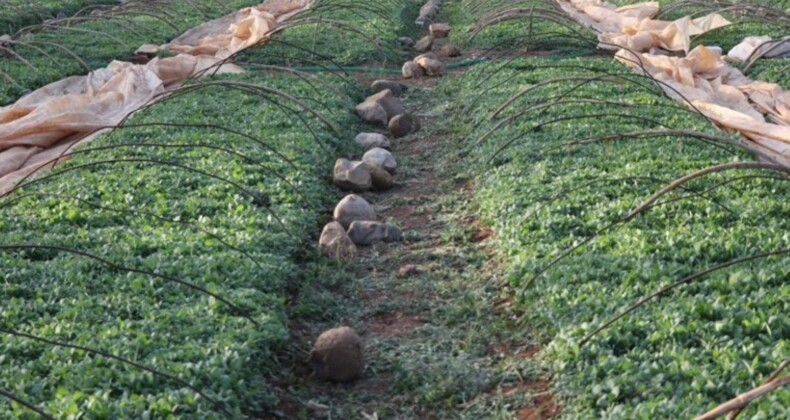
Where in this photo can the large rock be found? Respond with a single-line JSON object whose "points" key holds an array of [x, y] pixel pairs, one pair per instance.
{"points": [[338, 355], [450, 51], [403, 125], [335, 242], [381, 178], [424, 44], [352, 176], [353, 208], [372, 112], [369, 233], [412, 70], [380, 158], [370, 140], [396, 88], [431, 65], [439, 30], [384, 99]]}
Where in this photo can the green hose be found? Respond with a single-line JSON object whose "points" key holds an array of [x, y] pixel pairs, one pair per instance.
{"points": [[360, 69], [345, 69]]}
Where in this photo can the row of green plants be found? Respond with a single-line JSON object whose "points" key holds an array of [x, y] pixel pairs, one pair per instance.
{"points": [[558, 193], [337, 33], [149, 273], [540, 25], [16, 14], [52, 51], [563, 150], [146, 276]]}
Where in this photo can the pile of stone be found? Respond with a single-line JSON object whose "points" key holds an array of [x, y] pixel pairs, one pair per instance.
{"points": [[355, 224], [374, 171], [385, 108], [427, 64], [338, 354]]}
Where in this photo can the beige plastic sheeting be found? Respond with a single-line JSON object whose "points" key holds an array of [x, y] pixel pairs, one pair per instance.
{"points": [[230, 34], [44, 124], [633, 26], [759, 45], [702, 78]]}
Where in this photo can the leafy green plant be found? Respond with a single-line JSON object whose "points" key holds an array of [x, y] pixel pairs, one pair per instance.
{"points": [[101, 250], [557, 203]]}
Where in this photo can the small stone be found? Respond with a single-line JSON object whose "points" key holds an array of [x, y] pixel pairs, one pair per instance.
{"points": [[148, 49], [335, 242], [406, 41], [381, 179], [372, 112], [380, 158], [432, 66], [370, 140], [412, 70], [369, 233], [424, 44], [352, 208], [439, 30], [338, 355], [352, 176], [403, 125], [396, 88], [450, 51]]}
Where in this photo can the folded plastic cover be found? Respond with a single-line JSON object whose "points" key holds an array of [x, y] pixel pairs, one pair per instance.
{"points": [[702, 78], [46, 123]]}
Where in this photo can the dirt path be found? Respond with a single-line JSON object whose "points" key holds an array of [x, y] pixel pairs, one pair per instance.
{"points": [[440, 340]]}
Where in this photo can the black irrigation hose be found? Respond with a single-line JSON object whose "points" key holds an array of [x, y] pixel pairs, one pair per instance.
{"points": [[650, 203], [68, 153], [540, 126], [565, 100], [678, 283], [138, 213], [43, 414], [712, 140], [114, 266], [204, 126], [257, 199], [218, 406], [565, 193], [261, 91]]}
